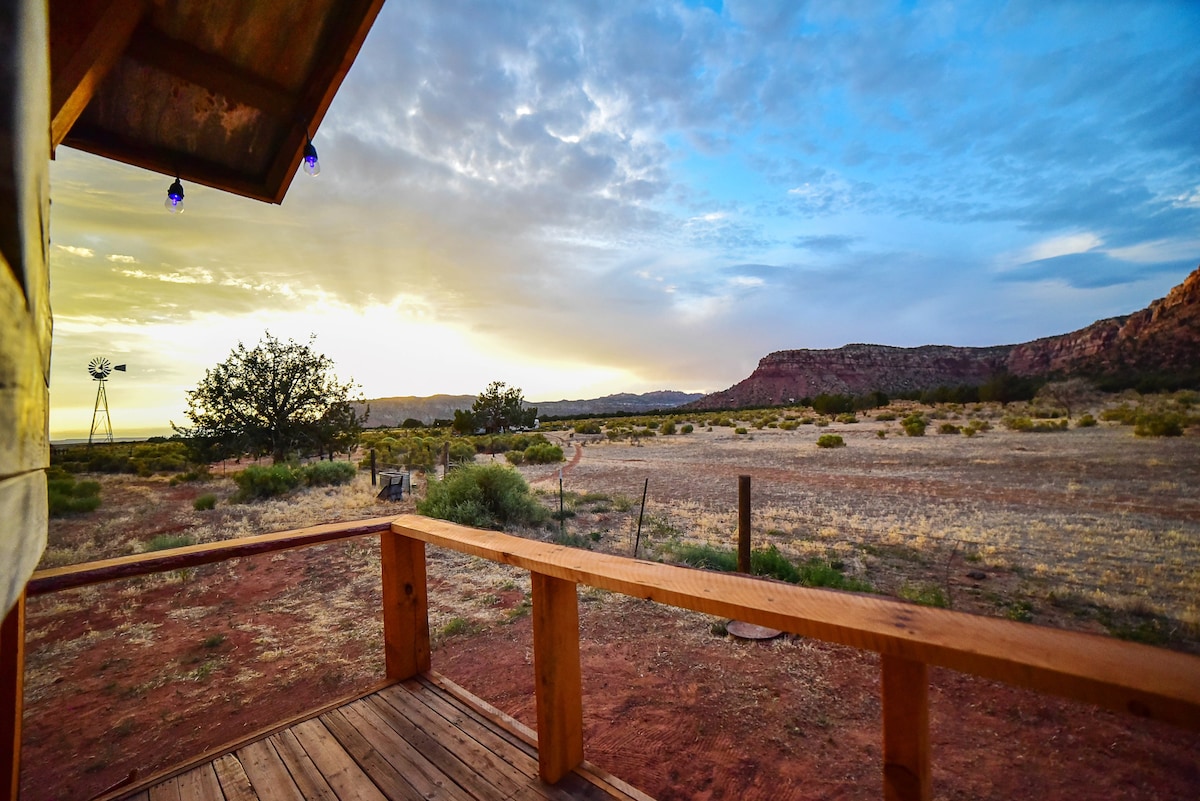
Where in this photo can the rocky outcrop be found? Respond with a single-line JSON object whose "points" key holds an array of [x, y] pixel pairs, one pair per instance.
{"points": [[1163, 338]]}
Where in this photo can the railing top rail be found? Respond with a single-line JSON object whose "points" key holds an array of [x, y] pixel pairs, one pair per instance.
{"points": [[1129, 677], [71, 576]]}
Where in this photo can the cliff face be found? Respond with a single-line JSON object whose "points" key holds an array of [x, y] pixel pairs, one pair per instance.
{"points": [[1164, 337]]}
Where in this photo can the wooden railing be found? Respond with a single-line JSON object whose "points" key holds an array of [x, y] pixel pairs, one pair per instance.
{"points": [[1128, 677]]}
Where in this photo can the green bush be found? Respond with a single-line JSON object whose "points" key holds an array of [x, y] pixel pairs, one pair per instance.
{"points": [[1123, 414], [667, 428], [847, 417], [205, 502], [256, 483], [789, 425], [543, 453], [687, 428], [830, 441], [886, 417], [65, 496], [1025, 424], [515, 457], [740, 430], [949, 428], [325, 474], [1159, 424], [914, 425], [164, 542], [769, 562], [924, 594], [486, 496], [590, 427], [1085, 421]]}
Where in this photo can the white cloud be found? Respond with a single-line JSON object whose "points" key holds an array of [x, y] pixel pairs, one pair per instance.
{"points": [[119, 259], [84, 253], [1061, 246]]}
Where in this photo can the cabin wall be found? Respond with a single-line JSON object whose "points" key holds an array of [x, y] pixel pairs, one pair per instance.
{"points": [[25, 323]]}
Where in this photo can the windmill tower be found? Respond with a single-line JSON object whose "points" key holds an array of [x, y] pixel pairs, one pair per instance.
{"points": [[99, 368]]}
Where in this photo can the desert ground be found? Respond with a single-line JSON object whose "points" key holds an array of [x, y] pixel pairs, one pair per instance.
{"points": [[1089, 529]]}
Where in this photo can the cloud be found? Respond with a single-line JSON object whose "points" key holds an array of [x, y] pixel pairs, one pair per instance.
{"points": [[83, 253], [1091, 270], [119, 259]]}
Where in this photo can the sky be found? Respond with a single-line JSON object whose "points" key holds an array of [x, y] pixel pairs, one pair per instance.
{"points": [[583, 198]]}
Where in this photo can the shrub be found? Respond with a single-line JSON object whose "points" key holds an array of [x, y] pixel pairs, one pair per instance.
{"points": [[205, 502], [66, 497], [830, 441], [515, 457], [485, 496], [543, 453], [949, 428], [1159, 424], [1123, 414], [885, 417], [914, 425], [847, 417], [687, 428], [164, 542], [740, 430], [789, 425], [924, 594], [325, 474], [1026, 425], [590, 427], [1085, 421], [667, 428], [256, 483]]}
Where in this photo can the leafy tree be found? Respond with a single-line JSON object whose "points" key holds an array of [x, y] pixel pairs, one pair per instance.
{"points": [[500, 407], [1070, 393], [275, 398]]}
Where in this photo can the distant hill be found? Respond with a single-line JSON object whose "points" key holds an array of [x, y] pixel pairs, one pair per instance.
{"points": [[394, 411], [1162, 339]]}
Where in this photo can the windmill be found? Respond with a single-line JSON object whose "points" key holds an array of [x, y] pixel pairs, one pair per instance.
{"points": [[99, 368]]}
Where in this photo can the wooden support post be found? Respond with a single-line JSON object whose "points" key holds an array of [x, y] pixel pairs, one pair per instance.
{"points": [[559, 680], [744, 524], [12, 694], [405, 607], [905, 691]]}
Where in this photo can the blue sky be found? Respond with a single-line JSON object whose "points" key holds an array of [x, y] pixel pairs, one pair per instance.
{"points": [[585, 198]]}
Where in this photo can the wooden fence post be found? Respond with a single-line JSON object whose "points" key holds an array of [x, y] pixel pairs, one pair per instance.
{"points": [[12, 693], [558, 678], [744, 525], [405, 606], [905, 691]]}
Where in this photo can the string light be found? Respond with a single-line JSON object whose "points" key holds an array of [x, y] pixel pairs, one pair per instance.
{"points": [[174, 201], [310, 163]]}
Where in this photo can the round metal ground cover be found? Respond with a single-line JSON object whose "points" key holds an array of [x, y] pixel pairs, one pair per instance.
{"points": [[749, 631]]}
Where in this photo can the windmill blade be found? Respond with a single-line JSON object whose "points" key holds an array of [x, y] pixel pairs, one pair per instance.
{"points": [[120, 367]]}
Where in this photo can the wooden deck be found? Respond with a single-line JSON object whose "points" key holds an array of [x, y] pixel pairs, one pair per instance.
{"points": [[425, 738]]}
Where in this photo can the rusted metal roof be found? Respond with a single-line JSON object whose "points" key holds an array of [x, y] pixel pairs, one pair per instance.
{"points": [[218, 92]]}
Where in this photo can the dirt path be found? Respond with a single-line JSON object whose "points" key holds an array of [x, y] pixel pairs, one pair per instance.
{"points": [[567, 468]]}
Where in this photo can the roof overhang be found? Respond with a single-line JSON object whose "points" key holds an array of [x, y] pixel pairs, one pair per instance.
{"points": [[217, 92]]}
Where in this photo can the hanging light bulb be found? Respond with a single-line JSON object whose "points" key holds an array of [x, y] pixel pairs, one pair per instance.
{"points": [[174, 201], [310, 163]]}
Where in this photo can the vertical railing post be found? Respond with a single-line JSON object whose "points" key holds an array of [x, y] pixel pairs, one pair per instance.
{"points": [[12, 696], [559, 682], [905, 691], [744, 525], [405, 606]]}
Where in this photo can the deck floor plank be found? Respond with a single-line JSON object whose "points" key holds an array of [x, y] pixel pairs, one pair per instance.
{"points": [[425, 739], [200, 784], [360, 732], [477, 781], [235, 784], [475, 755], [303, 770], [267, 773], [338, 767], [167, 791], [507, 745]]}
